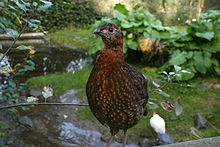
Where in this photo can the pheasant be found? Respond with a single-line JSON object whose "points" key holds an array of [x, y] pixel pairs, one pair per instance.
{"points": [[117, 93]]}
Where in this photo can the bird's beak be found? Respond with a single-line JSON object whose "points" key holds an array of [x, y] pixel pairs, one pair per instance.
{"points": [[97, 30]]}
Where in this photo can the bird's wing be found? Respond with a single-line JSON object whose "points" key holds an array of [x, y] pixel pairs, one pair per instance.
{"points": [[138, 81]]}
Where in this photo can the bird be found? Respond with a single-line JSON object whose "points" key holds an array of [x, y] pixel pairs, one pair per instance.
{"points": [[158, 124], [116, 92]]}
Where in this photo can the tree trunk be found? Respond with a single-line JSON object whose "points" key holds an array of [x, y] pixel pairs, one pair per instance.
{"points": [[200, 6]]}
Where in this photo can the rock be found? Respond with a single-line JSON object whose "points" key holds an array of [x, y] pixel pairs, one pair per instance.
{"points": [[36, 92], [70, 134], [200, 122], [173, 117], [147, 142], [205, 85], [165, 139], [116, 144], [40, 127], [26, 121], [69, 97], [206, 142], [24, 92], [215, 86]]}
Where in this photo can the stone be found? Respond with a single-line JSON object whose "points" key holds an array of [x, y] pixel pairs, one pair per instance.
{"points": [[71, 134], [69, 97], [36, 92], [147, 142], [215, 86], [165, 139], [200, 122], [205, 142], [26, 121]]}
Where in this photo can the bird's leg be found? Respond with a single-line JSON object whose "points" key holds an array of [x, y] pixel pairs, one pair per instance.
{"points": [[110, 141], [113, 132], [125, 138]]}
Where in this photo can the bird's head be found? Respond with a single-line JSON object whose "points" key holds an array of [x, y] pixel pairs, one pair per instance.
{"points": [[110, 33], [154, 113]]}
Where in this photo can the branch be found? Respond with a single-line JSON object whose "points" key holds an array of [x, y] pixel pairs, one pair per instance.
{"points": [[16, 39], [35, 104]]}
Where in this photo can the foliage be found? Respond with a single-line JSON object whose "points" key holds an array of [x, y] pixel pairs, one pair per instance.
{"points": [[17, 15], [141, 22], [11, 90], [14, 13], [63, 13], [196, 49], [193, 48]]}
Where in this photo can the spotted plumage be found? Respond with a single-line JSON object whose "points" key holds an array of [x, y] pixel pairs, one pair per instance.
{"points": [[116, 92]]}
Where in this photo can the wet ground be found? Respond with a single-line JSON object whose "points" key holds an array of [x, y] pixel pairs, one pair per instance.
{"points": [[60, 126]]}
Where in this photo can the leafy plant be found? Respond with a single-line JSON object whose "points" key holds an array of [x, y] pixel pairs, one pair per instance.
{"points": [[11, 89], [194, 47], [13, 13], [64, 13], [133, 25], [197, 48]]}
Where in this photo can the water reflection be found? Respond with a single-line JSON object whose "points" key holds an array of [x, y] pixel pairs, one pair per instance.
{"points": [[51, 62]]}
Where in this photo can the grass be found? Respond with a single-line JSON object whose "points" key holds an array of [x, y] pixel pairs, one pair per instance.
{"points": [[70, 37], [193, 99], [61, 82]]}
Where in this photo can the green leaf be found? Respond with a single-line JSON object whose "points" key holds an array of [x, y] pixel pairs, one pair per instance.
{"points": [[35, 4], [119, 15], [202, 61], [177, 68], [6, 22], [32, 99], [184, 76], [45, 6], [217, 69], [12, 33], [132, 44], [217, 66], [1, 136], [152, 105], [21, 6], [121, 8], [24, 47], [179, 57], [4, 125], [2, 26], [126, 24], [211, 14], [95, 45], [163, 93], [206, 35]]}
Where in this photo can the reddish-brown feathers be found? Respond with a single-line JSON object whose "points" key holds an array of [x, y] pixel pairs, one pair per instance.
{"points": [[116, 92]]}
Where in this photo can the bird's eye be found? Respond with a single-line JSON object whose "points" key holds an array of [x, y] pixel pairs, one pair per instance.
{"points": [[110, 29]]}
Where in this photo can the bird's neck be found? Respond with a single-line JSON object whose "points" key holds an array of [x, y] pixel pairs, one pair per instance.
{"points": [[115, 45], [112, 53]]}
